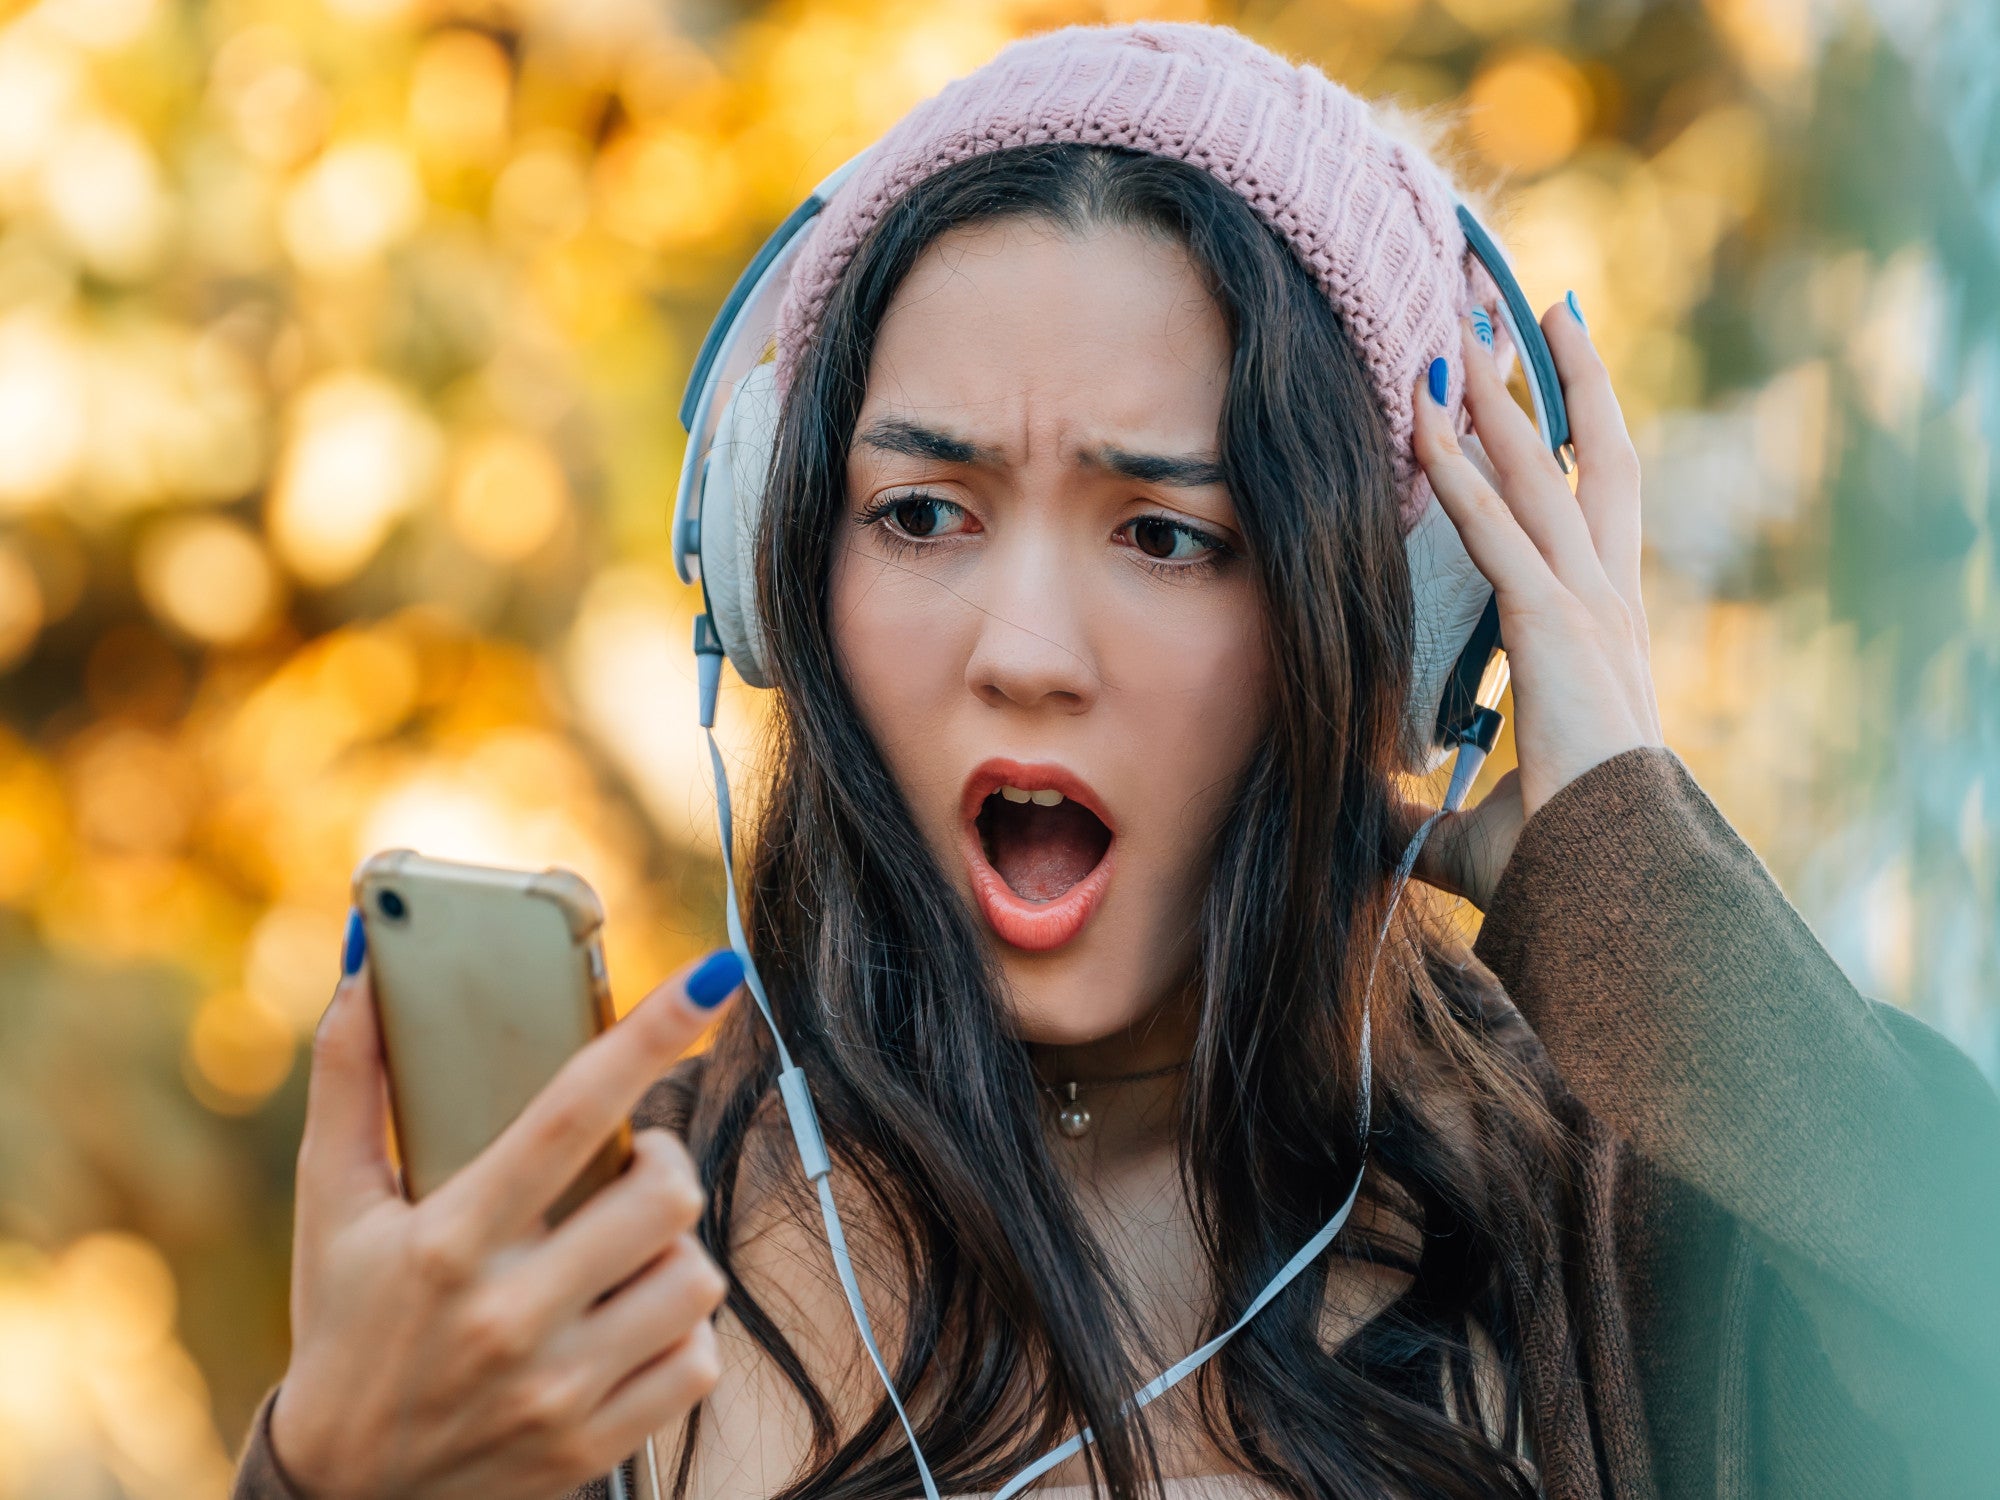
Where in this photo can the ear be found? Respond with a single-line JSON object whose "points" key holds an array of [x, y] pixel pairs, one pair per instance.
{"points": [[1448, 595], [738, 471]]}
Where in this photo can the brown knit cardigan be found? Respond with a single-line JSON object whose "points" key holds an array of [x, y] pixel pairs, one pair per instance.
{"points": [[1782, 1275]]}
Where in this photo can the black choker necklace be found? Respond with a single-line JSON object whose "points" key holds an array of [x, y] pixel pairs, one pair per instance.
{"points": [[1072, 1119]]}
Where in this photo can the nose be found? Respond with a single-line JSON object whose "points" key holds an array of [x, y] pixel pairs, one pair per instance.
{"points": [[1032, 648]]}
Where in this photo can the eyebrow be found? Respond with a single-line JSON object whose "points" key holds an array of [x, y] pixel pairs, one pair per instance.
{"points": [[913, 440], [1183, 470], [894, 435]]}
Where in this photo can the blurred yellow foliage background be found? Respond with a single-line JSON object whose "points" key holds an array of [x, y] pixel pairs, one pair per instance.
{"points": [[340, 348]]}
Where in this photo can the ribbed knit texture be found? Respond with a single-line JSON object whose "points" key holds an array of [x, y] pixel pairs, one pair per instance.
{"points": [[1370, 217]]}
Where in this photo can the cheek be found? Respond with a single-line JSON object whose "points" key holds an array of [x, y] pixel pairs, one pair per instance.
{"points": [[896, 640], [1201, 710]]}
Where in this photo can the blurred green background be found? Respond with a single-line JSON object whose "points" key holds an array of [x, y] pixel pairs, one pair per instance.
{"points": [[340, 344]]}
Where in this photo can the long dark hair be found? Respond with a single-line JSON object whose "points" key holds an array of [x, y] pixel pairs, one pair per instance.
{"points": [[1011, 1332]]}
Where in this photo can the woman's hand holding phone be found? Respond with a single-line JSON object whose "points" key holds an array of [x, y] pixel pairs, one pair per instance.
{"points": [[457, 1346]]}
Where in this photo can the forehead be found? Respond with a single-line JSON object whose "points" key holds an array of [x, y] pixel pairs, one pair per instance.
{"points": [[1019, 332]]}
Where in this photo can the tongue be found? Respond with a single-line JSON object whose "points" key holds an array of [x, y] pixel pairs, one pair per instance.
{"points": [[1042, 851]]}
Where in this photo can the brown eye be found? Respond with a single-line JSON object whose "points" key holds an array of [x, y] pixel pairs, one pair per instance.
{"points": [[1154, 537], [1172, 541], [919, 516], [906, 519]]}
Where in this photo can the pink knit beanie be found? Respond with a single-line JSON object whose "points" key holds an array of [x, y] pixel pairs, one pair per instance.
{"points": [[1370, 217]]}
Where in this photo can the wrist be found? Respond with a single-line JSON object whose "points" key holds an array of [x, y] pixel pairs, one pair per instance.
{"points": [[282, 1444]]}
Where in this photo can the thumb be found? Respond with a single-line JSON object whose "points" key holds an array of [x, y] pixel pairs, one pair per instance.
{"points": [[1467, 849], [343, 1155], [1437, 862]]}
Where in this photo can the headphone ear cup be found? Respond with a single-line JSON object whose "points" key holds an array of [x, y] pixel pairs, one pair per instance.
{"points": [[735, 473], [1448, 595]]}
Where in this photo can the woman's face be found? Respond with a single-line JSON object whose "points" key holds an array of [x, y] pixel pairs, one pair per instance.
{"points": [[1042, 603]]}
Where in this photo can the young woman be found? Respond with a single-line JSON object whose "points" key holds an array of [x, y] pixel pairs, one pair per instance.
{"points": [[1111, 390]]}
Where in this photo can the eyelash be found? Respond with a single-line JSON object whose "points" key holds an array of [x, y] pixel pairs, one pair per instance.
{"points": [[1219, 553]]}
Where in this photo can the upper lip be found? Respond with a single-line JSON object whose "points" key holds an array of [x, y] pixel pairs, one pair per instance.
{"points": [[1030, 776]]}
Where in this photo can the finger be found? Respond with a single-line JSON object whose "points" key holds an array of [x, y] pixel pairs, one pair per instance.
{"points": [[1530, 481], [1484, 836], [1607, 481], [343, 1153], [1493, 539], [615, 1234], [657, 1393], [648, 1317], [1467, 849], [528, 1166], [1433, 867]]}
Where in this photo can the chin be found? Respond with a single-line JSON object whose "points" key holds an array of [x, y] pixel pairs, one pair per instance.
{"points": [[1100, 986], [1072, 897]]}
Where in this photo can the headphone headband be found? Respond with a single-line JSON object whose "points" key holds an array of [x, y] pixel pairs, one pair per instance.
{"points": [[720, 357], [730, 441]]}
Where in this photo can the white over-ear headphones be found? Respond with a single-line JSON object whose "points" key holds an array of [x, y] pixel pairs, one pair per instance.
{"points": [[730, 410], [731, 415]]}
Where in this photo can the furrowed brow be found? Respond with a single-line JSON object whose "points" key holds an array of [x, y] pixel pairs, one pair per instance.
{"points": [[1184, 470], [912, 440]]}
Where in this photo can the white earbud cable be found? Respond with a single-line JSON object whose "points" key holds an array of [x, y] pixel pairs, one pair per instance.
{"points": [[819, 1167]]}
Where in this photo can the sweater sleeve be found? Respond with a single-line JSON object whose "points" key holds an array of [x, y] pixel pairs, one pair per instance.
{"points": [[1685, 1002], [258, 1474]]}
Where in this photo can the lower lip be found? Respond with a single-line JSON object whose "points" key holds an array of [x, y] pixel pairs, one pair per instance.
{"points": [[1035, 926]]}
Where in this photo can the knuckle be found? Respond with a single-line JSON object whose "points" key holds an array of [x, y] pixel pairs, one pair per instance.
{"points": [[1437, 442], [1608, 614], [683, 1204], [546, 1404], [439, 1254], [574, 1453], [716, 1288], [326, 1042], [1487, 504], [671, 1181], [681, 1200], [651, 1160], [706, 1280], [1617, 617], [671, 1152], [1619, 463], [497, 1336], [701, 1362], [332, 1047], [561, 1120], [1575, 616]]}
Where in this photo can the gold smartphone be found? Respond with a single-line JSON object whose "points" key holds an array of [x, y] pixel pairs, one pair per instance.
{"points": [[486, 981]]}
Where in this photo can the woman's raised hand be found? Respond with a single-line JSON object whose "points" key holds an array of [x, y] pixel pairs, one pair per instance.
{"points": [[458, 1347], [1565, 572]]}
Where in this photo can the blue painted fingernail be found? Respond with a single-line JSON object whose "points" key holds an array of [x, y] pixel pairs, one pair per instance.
{"points": [[354, 946], [1440, 377], [1575, 311], [1482, 325], [716, 979]]}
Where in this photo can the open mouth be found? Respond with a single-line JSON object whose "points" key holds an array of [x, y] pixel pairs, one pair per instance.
{"points": [[1041, 842], [1039, 849]]}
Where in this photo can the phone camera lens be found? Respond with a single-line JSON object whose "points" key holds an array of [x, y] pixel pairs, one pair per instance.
{"points": [[392, 906]]}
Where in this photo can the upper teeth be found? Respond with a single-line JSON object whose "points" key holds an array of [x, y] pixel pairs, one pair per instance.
{"points": [[1041, 797]]}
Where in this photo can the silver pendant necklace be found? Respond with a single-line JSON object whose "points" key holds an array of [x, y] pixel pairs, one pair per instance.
{"points": [[1073, 1118]]}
